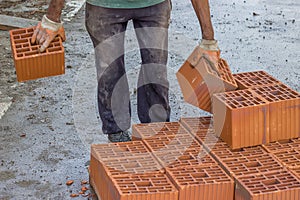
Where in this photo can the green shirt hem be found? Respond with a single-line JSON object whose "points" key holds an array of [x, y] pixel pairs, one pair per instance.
{"points": [[125, 4]]}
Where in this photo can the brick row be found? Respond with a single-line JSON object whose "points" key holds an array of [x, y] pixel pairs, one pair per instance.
{"points": [[282, 145], [289, 158], [241, 118], [118, 150], [192, 157], [180, 142], [159, 129], [202, 183], [248, 80], [195, 124], [32, 64], [242, 166], [281, 185], [222, 152], [199, 81], [152, 187]]}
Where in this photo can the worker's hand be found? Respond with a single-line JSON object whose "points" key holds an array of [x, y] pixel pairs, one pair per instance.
{"points": [[208, 50], [46, 31]]}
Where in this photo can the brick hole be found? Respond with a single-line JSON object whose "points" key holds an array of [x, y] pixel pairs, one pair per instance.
{"points": [[144, 184], [132, 165], [200, 175], [19, 55], [271, 182], [56, 39], [30, 30], [28, 35], [32, 53], [16, 37], [253, 164], [23, 50], [254, 78], [185, 157], [25, 45], [34, 48], [18, 46], [53, 49], [239, 99], [20, 41], [18, 32]]}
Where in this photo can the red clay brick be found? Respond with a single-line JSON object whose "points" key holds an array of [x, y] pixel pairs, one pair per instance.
{"points": [[191, 157], [198, 81], [255, 79], [143, 187], [282, 145], [195, 124], [296, 172], [279, 185], [29, 62], [202, 183], [180, 142], [118, 150], [289, 158], [102, 171], [242, 166], [149, 130], [241, 118], [222, 152], [284, 106]]}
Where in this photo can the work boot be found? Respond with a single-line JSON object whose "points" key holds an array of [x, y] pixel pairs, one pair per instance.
{"points": [[122, 136]]}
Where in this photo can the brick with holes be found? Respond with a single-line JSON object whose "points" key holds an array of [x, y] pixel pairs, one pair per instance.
{"points": [[277, 185], [191, 157], [158, 129], [248, 165], [222, 152], [290, 158], [241, 118], [29, 62], [202, 183], [284, 109], [248, 80], [199, 81], [282, 145]]}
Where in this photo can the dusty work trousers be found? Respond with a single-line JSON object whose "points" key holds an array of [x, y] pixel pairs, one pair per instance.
{"points": [[106, 27]]}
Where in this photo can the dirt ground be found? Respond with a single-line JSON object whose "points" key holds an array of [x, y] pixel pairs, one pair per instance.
{"points": [[47, 131]]}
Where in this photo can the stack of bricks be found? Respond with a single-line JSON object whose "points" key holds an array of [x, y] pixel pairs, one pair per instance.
{"points": [[29, 62], [165, 162], [270, 171], [175, 160], [263, 110], [125, 171]]}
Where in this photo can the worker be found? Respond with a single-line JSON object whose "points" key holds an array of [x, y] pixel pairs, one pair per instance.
{"points": [[106, 22]]}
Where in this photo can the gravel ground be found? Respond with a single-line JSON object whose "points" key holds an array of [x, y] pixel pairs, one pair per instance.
{"points": [[47, 131]]}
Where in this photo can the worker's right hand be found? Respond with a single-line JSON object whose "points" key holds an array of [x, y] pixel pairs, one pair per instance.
{"points": [[46, 31]]}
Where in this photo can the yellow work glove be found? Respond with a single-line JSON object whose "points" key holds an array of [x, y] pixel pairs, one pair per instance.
{"points": [[46, 31], [210, 49]]}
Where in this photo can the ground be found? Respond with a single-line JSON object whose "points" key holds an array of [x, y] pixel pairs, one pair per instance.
{"points": [[47, 130]]}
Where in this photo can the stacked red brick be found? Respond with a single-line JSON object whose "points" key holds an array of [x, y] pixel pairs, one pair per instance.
{"points": [[262, 111], [193, 171], [260, 173], [32, 64], [125, 171]]}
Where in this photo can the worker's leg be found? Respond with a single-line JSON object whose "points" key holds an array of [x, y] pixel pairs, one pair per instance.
{"points": [[151, 27], [107, 29]]}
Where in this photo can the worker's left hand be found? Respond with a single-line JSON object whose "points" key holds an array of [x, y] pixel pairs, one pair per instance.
{"points": [[46, 31], [209, 50]]}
